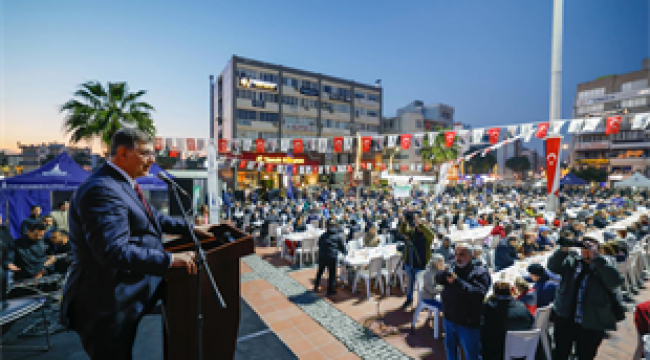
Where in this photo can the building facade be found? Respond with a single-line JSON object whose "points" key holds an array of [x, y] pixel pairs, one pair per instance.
{"points": [[628, 151], [255, 99]]}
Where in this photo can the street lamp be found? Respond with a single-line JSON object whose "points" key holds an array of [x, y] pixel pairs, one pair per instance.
{"points": [[390, 163]]}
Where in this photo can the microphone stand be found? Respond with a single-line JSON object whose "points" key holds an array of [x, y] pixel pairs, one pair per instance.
{"points": [[201, 265]]}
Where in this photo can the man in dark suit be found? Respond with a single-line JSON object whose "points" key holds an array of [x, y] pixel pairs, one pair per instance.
{"points": [[330, 244], [118, 257], [270, 219]]}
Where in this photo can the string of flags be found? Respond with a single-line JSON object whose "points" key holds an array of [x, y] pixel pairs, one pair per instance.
{"points": [[231, 149]]}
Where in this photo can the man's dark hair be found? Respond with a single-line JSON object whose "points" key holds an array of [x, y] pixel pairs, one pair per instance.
{"points": [[128, 137], [60, 204], [34, 207], [36, 225]]}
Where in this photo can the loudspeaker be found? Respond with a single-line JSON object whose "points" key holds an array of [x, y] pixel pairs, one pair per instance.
{"points": [[187, 185]]}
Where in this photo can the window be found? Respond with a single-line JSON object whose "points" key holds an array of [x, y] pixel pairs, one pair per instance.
{"points": [[359, 95], [289, 81], [309, 103], [634, 85], [372, 113], [640, 101], [247, 73], [419, 124], [591, 93], [327, 106], [342, 108], [309, 84], [445, 115], [344, 92], [245, 94], [266, 116], [269, 77], [327, 89], [268, 97], [373, 97], [589, 109], [290, 100], [246, 115]]}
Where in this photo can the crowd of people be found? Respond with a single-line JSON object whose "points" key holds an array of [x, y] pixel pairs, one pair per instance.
{"points": [[581, 241]]}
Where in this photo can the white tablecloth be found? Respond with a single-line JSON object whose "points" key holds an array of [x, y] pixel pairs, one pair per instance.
{"points": [[471, 234], [362, 257]]}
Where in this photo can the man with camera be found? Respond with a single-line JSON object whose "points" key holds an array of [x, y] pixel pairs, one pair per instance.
{"points": [[465, 286], [585, 305]]}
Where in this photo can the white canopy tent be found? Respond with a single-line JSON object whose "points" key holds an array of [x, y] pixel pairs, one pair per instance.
{"points": [[636, 180]]}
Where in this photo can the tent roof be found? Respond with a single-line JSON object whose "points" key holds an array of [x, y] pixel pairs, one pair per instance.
{"points": [[571, 179], [151, 182], [62, 173], [637, 180]]}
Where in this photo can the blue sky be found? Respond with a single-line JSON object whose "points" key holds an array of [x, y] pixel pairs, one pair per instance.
{"points": [[488, 59]]}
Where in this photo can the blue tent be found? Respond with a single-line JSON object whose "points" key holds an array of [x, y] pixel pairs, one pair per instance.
{"points": [[151, 181], [571, 179], [19, 193]]}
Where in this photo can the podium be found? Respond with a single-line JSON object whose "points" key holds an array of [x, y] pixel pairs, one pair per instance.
{"points": [[220, 326]]}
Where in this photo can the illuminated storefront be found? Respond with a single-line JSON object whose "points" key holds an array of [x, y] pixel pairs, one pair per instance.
{"points": [[250, 179]]}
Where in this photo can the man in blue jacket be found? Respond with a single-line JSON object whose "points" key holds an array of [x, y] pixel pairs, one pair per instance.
{"points": [[545, 284], [118, 258]]}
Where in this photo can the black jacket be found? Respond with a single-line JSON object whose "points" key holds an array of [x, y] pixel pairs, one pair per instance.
{"points": [[462, 299], [500, 316], [353, 229], [271, 219], [330, 244], [504, 255]]}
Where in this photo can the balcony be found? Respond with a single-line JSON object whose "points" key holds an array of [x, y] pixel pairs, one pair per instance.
{"points": [[334, 132], [631, 144], [260, 126], [299, 110], [367, 119], [249, 104], [366, 102]]}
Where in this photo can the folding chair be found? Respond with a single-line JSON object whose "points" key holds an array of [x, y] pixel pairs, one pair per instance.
{"points": [[15, 309], [521, 344]]}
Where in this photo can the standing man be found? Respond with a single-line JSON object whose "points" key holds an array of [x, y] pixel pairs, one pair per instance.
{"points": [[34, 216], [466, 284], [330, 244], [417, 251], [118, 257], [60, 216]]}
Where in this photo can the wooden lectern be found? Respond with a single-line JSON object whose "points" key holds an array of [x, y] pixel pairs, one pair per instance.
{"points": [[220, 326]]}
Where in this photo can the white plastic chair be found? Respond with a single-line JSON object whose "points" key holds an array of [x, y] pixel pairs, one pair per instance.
{"points": [[372, 272], [357, 234], [315, 223], [273, 233], [306, 249], [521, 344], [247, 222], [542, 319], [389, 271], [353, 245], [422, 306]]}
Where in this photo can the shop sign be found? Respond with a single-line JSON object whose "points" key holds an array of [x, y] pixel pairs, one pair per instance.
{"points": [[257, 84], [593, 161], [594, 145], [279, 160]]}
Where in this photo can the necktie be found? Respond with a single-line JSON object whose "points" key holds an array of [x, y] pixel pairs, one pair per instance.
{"points": [[144, 202]]}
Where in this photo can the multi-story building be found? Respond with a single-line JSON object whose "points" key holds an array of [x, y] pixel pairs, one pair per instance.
{"points": [[261, 100], [33, 155], [415, 118], [502, 154], [625, 95]]}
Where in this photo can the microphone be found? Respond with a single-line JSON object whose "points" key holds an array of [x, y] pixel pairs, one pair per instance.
{"points": [[162, 176]]}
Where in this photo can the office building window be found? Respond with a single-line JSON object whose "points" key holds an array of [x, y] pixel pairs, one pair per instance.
{"points": [[591, 93], [342, 108], [269, 77], [327, 89], [589, 109], [445, 115], [419, 124], [359, 95], [290, 100], [266, 116], [309, 103], [634, 85], [247, 73], [635, 102], [268, 97], [246, 114], [345, 93], [245, 94], [327, 106], [289, 81], [309, 84], [372, 113], [373, 97]]}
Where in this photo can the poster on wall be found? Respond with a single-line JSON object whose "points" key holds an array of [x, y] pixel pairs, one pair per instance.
{"points": [[402, 191]]}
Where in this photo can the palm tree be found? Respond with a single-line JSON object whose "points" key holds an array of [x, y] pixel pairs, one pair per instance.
{"points": [[99, 112], [438, 152]]}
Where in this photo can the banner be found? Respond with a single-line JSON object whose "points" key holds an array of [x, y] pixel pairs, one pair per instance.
{"points": [[493, 133], [575, 126], [542, 130], [269, 167], [347, 144], [613, 125], [527, 131], [298, 146], [378, 142], [442, 178], [200, 145], [338, 144], [366, 141], [405, 141], [391, 140], [449, 138], [214, 193], [158, 144], [312, 145], [242, 163], [553, 145], [417, 140], [640, 121], [432, 138], [591, 124], [259, 145], [236, 146], [322, 145], [246, 144], [191, 144], [223, 146], [284, 145], [272, 144], [477, 136], [556, 127], [512, 130], [463, 136]]}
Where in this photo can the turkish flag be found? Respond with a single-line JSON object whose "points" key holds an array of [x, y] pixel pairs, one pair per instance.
{"points": [[366, 142], [298, 146], [242, 163], [173, 153], [333, 169], [383, 166], [449, 138], [427, 167], [158, 143], [223, 145], [613, 125], [338, 144], [191, 144], [405, 141], [350, 168], [259, 144], [403, 167], [269, 167], [494, 135], [314, 169], [553, 163], [542, 129]]}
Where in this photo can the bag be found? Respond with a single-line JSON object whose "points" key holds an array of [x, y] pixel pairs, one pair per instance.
{"points": [[618, 310]]}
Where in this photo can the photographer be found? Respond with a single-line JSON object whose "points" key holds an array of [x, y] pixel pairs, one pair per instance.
{"points": [[583, 307], [465, 285], [417, 250]]}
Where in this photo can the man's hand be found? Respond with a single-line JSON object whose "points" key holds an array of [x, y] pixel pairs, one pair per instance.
{"points": [[202, 232], [40, 274], [50, 260], [451, 277], [13, 267], [185, 259]]}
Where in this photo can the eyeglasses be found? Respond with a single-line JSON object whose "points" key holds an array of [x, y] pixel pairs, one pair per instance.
{"points": [[146, 153]]}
